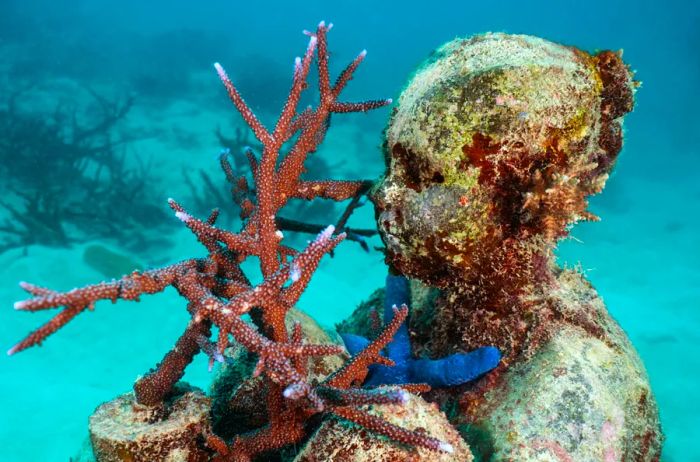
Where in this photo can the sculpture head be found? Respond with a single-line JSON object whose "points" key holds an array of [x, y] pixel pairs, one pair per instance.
{"points": [[495, 144]]}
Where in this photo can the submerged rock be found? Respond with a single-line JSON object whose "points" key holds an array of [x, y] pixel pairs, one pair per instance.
{"points": [[496, 136], [123, 431], [109, 263], [341, 441]]}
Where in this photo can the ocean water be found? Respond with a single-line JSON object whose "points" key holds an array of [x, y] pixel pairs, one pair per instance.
{"points": [[66, 65]]}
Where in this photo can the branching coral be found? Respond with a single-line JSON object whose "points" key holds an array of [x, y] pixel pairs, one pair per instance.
{"points": [[220, 294], [54, 168], [244, 196]]}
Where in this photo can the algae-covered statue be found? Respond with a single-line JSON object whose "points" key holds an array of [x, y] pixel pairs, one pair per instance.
{"points": [[491, 152]]}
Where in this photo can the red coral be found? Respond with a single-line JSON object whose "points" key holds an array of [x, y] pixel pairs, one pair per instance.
{"points": [[219, 293]]}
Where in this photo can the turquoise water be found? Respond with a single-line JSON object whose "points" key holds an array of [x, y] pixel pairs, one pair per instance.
{"points": [[642, 257]]}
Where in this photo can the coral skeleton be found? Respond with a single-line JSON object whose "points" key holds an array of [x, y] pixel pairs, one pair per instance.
{"points": [[219, 294], [50, 199]]}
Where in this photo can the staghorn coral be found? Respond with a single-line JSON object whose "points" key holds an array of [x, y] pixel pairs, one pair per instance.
{"points": [[238, 403], [495, 145], [242, 195], [219, 294]]}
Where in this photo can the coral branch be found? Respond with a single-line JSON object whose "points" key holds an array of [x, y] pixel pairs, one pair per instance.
{"points": [[359, 397], [38, 336], [394, 432], [249, 117], [355, 372], [336, 190], [301, 70], [347, 73], [219, 294], [77, 300], [364, 106], [154, 387]]}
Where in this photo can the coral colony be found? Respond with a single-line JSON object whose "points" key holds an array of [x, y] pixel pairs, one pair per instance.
{"points": [[219, 294], [453, 370]]}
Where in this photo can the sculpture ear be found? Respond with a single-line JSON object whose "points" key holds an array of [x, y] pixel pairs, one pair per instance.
{"points": [[617, 99], [618, 84]]}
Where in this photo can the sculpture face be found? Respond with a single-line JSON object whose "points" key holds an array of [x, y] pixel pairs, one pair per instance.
{"points": [[496, 138]]}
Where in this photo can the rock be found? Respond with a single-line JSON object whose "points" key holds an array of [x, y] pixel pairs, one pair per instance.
{"points": [[341, 441], [483, 130], [583, 394], [322, 366], [109, 263], [123, 431], [577, 399], [84, 454]]}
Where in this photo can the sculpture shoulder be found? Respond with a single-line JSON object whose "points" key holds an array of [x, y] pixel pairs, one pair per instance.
{"points": [[577, 396], [579, 305]]}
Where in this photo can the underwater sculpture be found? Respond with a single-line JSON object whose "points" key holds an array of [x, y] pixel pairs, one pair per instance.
{"points": [[492, 151], [166, 420], [493, 148]]}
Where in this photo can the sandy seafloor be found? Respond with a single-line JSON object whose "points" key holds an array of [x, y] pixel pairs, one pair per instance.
{"points": [[642, 257]]}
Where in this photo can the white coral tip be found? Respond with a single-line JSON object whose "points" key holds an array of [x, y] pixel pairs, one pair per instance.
{"points": [[446, 447], [293, 391], [183, 216], [20, 305], [327, 233], [220, 70], [295, 273], [363, 53]]}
